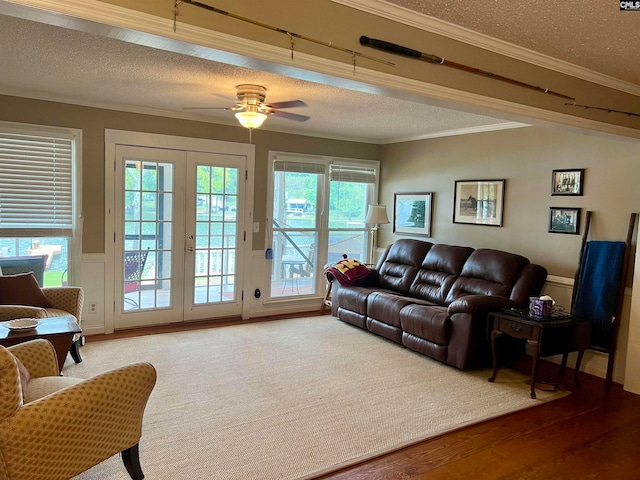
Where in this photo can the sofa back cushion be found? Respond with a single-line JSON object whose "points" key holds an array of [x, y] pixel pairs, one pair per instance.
{"points": [[488, 272], [399, 267], [439, 270]]}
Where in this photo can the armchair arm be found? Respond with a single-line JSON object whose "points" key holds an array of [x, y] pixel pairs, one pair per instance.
{"points": [[69, 299], [473, 304], [10, 312], [83, 424], [38, 356]]}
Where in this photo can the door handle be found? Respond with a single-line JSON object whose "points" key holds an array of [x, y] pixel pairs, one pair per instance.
{"points": [[190, 249]]}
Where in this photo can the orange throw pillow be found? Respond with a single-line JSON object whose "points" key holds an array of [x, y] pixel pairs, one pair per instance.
{"points": [[22, 289]]}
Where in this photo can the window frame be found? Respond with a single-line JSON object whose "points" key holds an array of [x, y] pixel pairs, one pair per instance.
{"points": [[322, 211]]}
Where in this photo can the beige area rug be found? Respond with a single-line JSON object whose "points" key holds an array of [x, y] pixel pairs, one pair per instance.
{"points": [[291, 399]]}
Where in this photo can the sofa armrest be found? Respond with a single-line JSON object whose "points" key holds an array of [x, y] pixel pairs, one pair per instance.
{"points": [[10, 312], [38, 356], [82, 424], [69, 299], [473, 304]]}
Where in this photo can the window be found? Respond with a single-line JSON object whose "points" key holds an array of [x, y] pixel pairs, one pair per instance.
{"points": [[37, 194], [318, 210]]}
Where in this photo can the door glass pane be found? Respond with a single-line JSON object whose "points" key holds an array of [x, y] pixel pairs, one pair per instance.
{"points": [[216, 234], [148, 196]]}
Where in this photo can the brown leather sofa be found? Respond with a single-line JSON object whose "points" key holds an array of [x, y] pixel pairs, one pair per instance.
{"points": [[434, 298]]}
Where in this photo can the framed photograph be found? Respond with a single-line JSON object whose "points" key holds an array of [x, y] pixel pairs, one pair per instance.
{"points": [[567, 182], [479, 202], [412, 213], [564, 220]]}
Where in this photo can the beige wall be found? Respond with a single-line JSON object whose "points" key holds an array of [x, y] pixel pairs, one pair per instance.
{"points": [[94, 121], [524, 157]]}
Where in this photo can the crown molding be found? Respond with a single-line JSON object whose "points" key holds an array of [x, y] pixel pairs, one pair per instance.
{"points": [[462, 131], [455, 32]]}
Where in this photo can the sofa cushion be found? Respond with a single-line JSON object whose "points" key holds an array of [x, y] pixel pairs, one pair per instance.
{"points": [[488, 272], [439, 269], [22, 289], [352, 298], [428, 322], [385, 307], [401, 264]]}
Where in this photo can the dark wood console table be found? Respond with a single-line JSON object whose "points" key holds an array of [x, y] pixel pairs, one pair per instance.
{"points": [[547, 336]]}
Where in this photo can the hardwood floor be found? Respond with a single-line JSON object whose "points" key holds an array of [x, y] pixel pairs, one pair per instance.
{"points": [[592, 433], [589, 434]]}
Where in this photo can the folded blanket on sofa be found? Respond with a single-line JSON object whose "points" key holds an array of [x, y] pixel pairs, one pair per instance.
{"points": [[348, 272]]}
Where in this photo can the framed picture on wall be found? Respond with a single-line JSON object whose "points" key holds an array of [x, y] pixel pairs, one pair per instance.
{"points": [[567, 182], [412, 213], [564, 220], [479, 202]]}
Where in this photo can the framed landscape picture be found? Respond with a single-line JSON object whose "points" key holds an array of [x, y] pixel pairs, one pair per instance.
{"points": [[564, 220], [479, 202], [412, 213], [567, 182]]}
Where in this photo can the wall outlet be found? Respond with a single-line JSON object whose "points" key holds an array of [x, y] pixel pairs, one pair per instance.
{"points": [[93, 308], [256, 227]]}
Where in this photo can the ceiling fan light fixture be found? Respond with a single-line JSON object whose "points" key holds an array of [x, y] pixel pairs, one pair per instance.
{"points": [[251, 120]]}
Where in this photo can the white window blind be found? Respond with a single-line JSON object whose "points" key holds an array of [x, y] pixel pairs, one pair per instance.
{"points": [[36, 184], [351, 173], [298, 167]]}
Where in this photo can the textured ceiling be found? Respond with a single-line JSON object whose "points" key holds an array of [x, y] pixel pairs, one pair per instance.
{"points": [[67, 65], [44, 61], [590, 33]]}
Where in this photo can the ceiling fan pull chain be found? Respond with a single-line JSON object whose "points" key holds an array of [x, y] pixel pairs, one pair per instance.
{"points": [[353, 60]]}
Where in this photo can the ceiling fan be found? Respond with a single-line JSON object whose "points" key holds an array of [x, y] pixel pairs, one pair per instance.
{"points": [[252, 111]]}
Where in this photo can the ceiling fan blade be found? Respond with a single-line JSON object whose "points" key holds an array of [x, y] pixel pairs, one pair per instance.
{"points": [[206, 108], [289, 104], [290, 116], [211, 108]]}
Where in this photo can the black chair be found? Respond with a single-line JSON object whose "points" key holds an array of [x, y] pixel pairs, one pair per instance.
{"points": [[134, 263]]}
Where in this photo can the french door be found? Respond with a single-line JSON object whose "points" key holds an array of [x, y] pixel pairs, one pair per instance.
{"points": [[178, 235]]}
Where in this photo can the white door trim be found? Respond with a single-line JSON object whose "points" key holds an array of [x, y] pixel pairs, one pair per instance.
{"points": [[152, 140]]}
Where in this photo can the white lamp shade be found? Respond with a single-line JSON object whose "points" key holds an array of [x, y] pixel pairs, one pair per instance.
{"points": [[251, 120], [377, 214]]}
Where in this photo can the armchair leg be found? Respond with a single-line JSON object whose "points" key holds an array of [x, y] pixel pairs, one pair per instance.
{"points": [[131, 460], [75, 351]]}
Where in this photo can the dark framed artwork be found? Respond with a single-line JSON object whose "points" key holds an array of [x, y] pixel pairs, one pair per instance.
{"points": [[412, 213], [564, 220], [567, 182], [479, 202]]}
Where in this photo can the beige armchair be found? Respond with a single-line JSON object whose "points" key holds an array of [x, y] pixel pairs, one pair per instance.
{"points": [[54, 427], [64, 300]]}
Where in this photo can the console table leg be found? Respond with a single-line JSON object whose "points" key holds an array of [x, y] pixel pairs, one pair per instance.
{"points": [[563, 364], [494, 334], [534, 367], [577, 369]]}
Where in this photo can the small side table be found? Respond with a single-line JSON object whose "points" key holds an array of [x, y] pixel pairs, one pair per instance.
{"points": [[58, 330], [547, 336]]}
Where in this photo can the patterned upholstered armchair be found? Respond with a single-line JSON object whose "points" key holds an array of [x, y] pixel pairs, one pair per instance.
{"points": [[57, 427], [63, 301]]}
